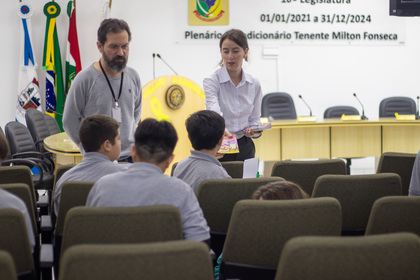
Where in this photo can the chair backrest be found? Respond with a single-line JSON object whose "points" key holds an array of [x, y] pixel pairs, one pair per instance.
{"points": [[58, 173], [379, 257], [73, 193], [401, 105], [61, 170], [356, 194], [7, 267], [305, 173], [186, 260], [278, 105], [19, 138], [52, 124], [400, 163], [395, 214], [19, 174], [14, 240], [234, 168], [37, 126], [338, 111], [217, 197], [258, 231], [23, 192], [119, 225]]}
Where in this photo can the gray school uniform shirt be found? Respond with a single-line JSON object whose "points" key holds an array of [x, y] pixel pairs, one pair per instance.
{"points": [[94, 166], [90, 95], [145, 184], [8, 200], [199, 166]]}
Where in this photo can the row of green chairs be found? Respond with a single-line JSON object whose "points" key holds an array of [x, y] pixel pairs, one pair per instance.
{"points": [[378, 257], [382, 257], [305, 173], [356, 194], [257, 229]]}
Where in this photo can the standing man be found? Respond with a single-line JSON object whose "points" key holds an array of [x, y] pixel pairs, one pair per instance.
{"points": [[107, 87]]}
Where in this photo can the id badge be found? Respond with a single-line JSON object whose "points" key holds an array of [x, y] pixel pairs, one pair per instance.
{"points": [[116, 114]]}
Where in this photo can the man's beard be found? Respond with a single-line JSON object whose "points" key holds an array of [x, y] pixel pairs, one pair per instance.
{"points": [[114, 65]]}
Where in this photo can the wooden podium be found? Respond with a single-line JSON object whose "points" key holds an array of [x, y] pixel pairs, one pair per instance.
{"points": [[173, 98]]}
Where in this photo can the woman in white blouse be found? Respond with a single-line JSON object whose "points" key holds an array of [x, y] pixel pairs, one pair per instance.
{"points": [[234, 94]]}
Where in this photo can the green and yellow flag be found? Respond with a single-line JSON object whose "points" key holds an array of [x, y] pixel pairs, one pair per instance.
{"points": [[54, 95]]}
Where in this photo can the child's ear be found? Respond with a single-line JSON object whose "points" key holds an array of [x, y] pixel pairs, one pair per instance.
{"points": [[106, 146]]}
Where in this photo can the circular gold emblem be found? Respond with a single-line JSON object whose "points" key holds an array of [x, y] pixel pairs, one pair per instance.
{"points": [[175, 97]]}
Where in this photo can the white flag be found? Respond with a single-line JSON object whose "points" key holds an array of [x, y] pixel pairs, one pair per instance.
{"points": [[28, 86]]}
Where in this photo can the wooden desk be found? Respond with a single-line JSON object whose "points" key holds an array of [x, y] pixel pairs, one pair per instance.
{"points": [[66, 152], [333, 138]]}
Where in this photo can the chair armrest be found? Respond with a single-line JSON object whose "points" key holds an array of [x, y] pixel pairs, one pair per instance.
{"points": [[46, 261], [43, 201], [46, 258], [28, 154], [46, 224], [43, 158], [19, 161], [46, 227]]}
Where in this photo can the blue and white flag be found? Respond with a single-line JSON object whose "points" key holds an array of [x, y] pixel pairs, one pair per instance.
{"points": [[28, 86]]}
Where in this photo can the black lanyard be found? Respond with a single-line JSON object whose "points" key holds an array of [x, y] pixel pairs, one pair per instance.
{"points": [[110, 87]]}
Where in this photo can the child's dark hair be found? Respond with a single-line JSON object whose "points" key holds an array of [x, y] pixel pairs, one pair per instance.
{"points": [[155, 140], [205, 129]]}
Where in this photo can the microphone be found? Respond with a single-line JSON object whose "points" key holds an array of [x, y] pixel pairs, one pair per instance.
{"points": [[154, 55], [54, 112], [363, 108], [310, 110], [158, 55], [417, 113]]}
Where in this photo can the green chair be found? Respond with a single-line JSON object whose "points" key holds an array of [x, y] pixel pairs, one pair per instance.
{"points": [[258, 231], [14, 240], [106, 225], [400, 163], [235, 169], [356, 194], [395, 214], [73, 193], [305, 173], [379, 257], [58, 173], [7, 267], [217, 197], [22, 174], [111, 225], [175, 260], [23, 192]]}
